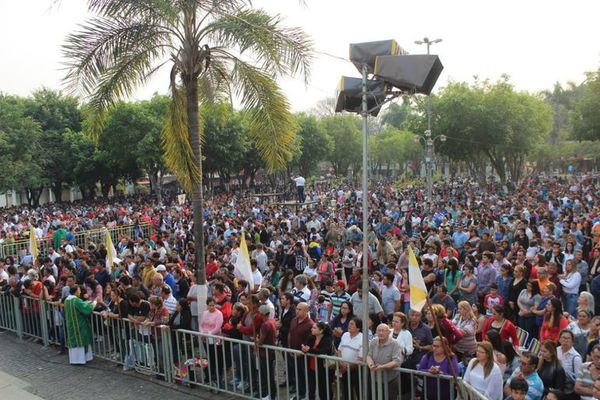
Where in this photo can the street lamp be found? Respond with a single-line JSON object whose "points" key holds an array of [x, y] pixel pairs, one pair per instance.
{"points": [[429, 172], [429, 141]]}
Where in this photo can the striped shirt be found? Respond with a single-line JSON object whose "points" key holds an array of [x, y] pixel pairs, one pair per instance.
{"points": [[336, 302], [584, 378]]}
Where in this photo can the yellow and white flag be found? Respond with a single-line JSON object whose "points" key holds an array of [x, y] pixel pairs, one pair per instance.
{"points": [[418, 290], [242, 268], [111, 252], [33, 247]]}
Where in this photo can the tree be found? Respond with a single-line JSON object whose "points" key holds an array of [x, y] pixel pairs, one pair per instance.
{"points": [[561, 100], [487, 122], [393, 147], [56, 114], [224, 140], [148, 152], [22, 150], [324, 108], [315, 144], [347, 150], [126, 126], [209, 45], [586, 113], [396, 115], [85, 166]]}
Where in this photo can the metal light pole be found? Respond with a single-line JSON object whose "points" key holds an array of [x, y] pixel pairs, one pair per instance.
{"points": [[365, 220], [429, 162], [429, 141]]}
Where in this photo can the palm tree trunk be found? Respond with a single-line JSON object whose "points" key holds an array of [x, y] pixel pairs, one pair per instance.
{"points": [[197, 195]]}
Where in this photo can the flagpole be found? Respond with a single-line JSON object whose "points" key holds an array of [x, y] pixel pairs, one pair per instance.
{"points": [[446, 348]]}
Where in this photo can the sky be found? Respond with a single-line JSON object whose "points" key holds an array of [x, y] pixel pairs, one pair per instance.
{"points": [[536, 43]]}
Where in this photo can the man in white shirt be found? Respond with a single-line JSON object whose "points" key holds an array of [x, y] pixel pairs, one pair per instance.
{"points": [[300, 181], [261, 258], [256, 277], [300, 292]]}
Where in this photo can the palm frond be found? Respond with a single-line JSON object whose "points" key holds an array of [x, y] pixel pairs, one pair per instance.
{"points": [[214, 82], [287, 51], [271, 124], [109, 58], [178, 153], [163, 9], [101, 42]]}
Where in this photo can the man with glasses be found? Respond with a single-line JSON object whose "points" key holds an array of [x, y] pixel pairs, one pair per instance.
{"points": [[527, 370], [587, 384]]}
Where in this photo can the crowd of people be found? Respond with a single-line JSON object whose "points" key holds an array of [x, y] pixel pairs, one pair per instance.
{"points": [[513, 279]]}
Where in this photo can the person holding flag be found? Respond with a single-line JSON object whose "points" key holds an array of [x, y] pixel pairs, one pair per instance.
{"points": [[242, 268], [111, 253]]}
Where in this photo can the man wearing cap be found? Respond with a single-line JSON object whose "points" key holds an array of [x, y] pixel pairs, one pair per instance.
{"points": [[167, 277], [337, 298], [267, 337]]}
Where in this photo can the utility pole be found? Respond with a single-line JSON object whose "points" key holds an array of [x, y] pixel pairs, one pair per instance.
{"points": [[429, 159]]}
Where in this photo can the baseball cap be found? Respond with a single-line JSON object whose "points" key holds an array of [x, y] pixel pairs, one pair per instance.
{"points": [[340, 283], [160, 268]]}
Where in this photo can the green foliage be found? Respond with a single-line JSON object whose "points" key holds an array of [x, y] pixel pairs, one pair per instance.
{"points": [[225, 140], [392, 147], [22, 150], [397, 115], [315, 145], [488, 122], [586, 113], [56, 115], [345, 134]]}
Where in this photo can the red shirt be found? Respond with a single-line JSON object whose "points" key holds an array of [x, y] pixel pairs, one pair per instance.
{"points": [[211, 268], [299, 332]]}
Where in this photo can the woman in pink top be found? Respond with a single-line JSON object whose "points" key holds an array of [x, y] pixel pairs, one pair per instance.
{"points": [[211, 323]]}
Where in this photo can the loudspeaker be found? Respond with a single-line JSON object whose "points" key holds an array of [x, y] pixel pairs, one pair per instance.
{"points": [[412, 73], [367, 52], [349, 96]]}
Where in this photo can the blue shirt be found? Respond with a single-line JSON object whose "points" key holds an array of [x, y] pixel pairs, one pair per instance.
{"points": [[458, 239], [536, 386]]}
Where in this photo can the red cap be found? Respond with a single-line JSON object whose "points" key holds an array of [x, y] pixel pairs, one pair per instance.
{"points": [[340, 283]]}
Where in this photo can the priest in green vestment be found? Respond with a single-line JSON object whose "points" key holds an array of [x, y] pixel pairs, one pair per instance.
{"points": [[78, 330]]}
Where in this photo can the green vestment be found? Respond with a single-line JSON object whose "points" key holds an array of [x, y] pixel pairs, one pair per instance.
{"points": [[78, 332]]}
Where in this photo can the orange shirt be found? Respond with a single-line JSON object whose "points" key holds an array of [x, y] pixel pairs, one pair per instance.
{"points": [[543, 283]]}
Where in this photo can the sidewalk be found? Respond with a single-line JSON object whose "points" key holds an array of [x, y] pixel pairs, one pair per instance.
{"points": [[29, 371], [15, 389]]}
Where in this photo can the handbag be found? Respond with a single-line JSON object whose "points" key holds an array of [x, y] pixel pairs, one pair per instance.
{"points": [[329, 363]]}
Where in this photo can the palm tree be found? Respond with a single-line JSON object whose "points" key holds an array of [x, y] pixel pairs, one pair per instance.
{"points": [[217, 49]]}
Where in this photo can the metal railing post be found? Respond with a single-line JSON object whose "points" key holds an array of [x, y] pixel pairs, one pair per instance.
{"points": [[18, 316], [44, 322]]}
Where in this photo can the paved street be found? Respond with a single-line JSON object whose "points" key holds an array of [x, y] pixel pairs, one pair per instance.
{"points": [[27, 368]]}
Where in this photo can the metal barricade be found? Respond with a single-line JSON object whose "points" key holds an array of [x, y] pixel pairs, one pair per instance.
{"points": [[147, 349], [227, 365], [20, 248], [8, 320], [32, 314], [237, 367], [55, 322]]}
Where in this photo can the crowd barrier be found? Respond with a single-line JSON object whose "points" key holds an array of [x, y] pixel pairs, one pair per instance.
{"points": [[226, 365], [20, 248]]}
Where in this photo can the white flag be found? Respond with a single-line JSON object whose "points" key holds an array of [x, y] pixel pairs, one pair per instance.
{"points": [[242, 264]]}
